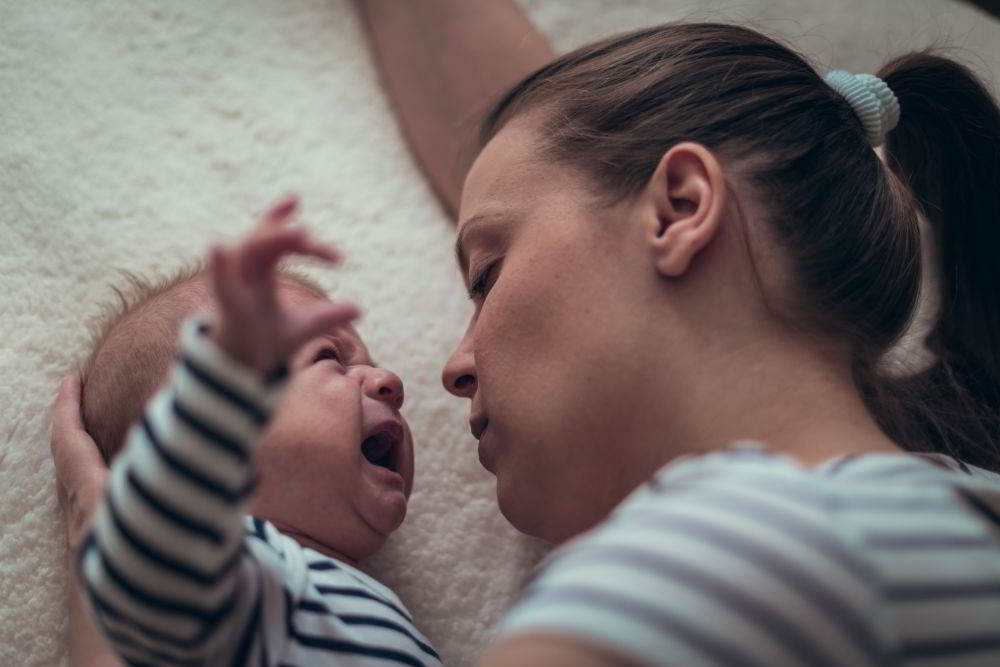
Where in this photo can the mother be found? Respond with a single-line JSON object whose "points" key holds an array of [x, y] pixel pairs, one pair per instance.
{"points": [[681, 238]]}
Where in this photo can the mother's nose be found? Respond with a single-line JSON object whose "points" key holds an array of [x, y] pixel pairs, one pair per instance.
{"points": [[383, 385], [459, 374]]}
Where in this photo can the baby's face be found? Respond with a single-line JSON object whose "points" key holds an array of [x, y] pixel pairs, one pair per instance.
{"points": [[336, 462]]}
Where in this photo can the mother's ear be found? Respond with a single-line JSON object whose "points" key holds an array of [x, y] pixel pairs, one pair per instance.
{"points": [[686, 197]]}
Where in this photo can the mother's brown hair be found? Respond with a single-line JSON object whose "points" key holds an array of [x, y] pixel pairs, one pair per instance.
{"points": [[847, 223]]}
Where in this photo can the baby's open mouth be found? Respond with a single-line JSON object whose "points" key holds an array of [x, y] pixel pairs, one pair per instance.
{"points": [[380, 449]]}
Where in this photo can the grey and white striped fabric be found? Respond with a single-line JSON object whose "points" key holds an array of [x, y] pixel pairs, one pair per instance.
{"points": [[177, 575], [742, 557]]}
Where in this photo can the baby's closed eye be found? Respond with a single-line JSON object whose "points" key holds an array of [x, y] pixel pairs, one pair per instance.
{"points": [[327, 352]]}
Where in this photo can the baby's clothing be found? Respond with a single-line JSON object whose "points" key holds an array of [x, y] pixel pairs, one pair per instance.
{"points": [[177, 575], [743, 557]]}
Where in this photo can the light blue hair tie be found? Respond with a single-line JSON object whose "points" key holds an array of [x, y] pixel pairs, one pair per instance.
{"points": [[872, 100]]}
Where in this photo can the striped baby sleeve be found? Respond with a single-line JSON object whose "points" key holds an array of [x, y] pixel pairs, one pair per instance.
{"points": [[165, 564]]}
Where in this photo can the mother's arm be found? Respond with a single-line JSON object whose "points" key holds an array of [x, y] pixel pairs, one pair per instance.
{"points": [[80, 478], [442, 63]]}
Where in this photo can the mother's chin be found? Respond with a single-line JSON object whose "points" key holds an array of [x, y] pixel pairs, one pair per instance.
{"points": [[549, 507]]}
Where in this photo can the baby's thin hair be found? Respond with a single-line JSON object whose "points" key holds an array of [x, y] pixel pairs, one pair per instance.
{"points": [[114, 391], [135, 292]]}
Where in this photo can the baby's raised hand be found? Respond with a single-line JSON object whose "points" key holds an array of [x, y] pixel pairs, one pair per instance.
{"points": [[254, 327]]}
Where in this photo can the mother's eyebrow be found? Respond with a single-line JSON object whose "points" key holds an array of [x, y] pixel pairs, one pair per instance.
{"points": [[474, 226]]}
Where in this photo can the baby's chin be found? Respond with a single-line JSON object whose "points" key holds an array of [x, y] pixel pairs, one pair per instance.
{"points": [[383, 506], [376, 519]]}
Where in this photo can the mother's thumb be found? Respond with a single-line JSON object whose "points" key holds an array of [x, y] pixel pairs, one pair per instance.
{"points": [[73, 450]]}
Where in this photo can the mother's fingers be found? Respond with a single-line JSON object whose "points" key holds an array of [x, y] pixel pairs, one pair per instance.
{"points": [[66, 411], [80, 470], [74, 452]]}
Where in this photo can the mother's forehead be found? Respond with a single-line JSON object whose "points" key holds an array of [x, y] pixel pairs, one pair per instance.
{"points": [[508, 164]]}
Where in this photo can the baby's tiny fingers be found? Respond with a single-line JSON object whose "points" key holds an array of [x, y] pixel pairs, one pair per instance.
{"points": [[236, 299], [222, 278], [259, 255], [282, 210], [311, 321], [312, 247], [297, 239]]}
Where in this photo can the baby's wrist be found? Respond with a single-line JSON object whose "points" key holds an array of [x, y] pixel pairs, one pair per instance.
{"points": [[219, 350], [229, 342]]}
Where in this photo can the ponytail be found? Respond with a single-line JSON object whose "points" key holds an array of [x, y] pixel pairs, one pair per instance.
{"points": [[946, 149], [613, 107]]}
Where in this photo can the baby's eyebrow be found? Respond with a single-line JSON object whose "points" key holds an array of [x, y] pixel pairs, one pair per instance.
{"points": [[352, 348]]}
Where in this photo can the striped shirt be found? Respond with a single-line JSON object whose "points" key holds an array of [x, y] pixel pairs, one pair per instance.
{"points": [[178, 575], [743, 557]]}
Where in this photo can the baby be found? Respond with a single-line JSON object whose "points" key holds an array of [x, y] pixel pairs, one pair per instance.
{"points": [[175, 571]]}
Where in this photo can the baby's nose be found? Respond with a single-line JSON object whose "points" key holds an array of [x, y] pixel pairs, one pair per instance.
{"points": [[384, 385]]}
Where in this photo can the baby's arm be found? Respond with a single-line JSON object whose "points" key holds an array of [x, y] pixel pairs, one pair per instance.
{"points": [[165, 564], [443, 62]]}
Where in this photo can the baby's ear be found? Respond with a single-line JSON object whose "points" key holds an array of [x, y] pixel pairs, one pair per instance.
{"points": [[682, 206]]}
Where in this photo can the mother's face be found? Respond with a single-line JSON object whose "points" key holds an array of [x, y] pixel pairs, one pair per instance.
{"points": [[553, 355]]}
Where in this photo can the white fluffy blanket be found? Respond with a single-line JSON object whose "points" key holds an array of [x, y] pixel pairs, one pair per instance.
{"points": [[133, 133]]}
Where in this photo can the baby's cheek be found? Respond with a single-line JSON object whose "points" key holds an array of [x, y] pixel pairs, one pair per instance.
{"points": [[335, 408], [340, 394]]}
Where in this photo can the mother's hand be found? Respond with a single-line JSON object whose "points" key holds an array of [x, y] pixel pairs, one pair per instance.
{"points": [[80, 470], [80, 478]]}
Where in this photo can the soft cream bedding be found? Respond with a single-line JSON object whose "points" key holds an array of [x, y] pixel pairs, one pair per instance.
{"points": [[132, 133]]}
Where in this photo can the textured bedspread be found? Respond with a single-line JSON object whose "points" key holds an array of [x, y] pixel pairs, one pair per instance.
{"points": [[133, 133]]}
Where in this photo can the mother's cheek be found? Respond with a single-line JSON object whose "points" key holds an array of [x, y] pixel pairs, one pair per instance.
{"points": [[514, 338]]}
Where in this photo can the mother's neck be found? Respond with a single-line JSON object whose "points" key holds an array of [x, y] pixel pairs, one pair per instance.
{"points": [[782, 390]]}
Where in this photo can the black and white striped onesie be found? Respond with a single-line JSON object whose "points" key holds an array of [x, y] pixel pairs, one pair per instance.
{"points": [[178, 575]]}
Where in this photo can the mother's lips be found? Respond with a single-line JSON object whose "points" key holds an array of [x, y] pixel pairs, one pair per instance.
{"points": [[477, 424]]}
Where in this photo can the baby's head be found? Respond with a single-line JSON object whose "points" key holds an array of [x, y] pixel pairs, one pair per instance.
{"points": [[336, 462]]}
